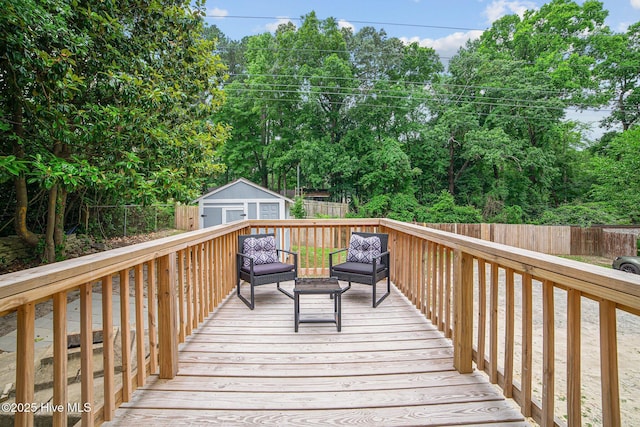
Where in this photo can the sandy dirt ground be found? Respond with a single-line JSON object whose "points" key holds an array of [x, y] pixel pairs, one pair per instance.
{"points": [[628, 327]]}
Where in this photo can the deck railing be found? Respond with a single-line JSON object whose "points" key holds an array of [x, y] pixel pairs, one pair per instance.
{"points": [[471, 289]]}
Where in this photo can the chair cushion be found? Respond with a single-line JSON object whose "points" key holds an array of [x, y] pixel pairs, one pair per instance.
{"points": [[358, 267], [363, 249], [274, 267], [262, 250]]}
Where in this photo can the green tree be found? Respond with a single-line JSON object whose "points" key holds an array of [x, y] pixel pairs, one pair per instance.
{"points": [[618, 75], [109, 99], [445, 210], [616, 176]]}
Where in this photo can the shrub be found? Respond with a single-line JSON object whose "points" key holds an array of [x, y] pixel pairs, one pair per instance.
{"points": [[297, 210]]}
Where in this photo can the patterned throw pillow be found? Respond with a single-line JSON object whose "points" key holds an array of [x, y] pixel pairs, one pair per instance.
{"points": [[363, 249], [262, 250]]}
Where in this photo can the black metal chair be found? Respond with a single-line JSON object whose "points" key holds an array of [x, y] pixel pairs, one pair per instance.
{"points": [[262, 266], [367, 267]]}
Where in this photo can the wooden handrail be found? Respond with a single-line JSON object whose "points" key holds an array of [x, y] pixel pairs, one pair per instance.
{"points": [[612, 290], [186, 276]]}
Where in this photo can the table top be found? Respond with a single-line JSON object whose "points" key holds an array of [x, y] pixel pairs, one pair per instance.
{"points": [[317, 284]]}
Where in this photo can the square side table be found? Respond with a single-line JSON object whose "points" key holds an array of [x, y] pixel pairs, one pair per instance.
{"points": [[310, 286]]}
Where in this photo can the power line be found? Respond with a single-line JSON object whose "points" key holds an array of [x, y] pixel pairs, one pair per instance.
{"points": [[352, 103], [416, 100], [397, 24], [358, 80], [482, 95]]}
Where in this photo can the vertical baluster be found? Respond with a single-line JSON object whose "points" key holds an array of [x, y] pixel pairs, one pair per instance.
{"points": [[107, 348], [86, 353], [125, 335], [222, 266], [190, 291], [306, 251], [323, 259], [214, 252], [60, 395], [434, 285], [439, 318], [548, 354], [527, 344], [424, 276], [493, 324], [482, 313], [181, 296], [200, 269], [141, 353], [153, 316], [415, 270], [204, 265], [509, 333], [448, 262], [574, 355], [429, 277]]}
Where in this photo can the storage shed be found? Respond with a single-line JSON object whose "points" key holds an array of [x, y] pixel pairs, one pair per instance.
{"points": [[241, 199]]}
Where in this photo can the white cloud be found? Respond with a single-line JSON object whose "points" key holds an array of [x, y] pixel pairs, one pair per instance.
{"points": [[346, 24], [635, 4], [622, 27], [273, 26], [499, 8], [217, 13], [448, 46]]}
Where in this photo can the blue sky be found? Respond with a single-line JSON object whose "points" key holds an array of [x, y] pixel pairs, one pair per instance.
{"points": [[444, 25]]}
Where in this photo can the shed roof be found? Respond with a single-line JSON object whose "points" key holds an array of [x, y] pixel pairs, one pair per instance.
{"points": [[247, 182]]}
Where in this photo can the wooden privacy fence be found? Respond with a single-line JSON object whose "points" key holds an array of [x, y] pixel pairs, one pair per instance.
{"points": [[505, 309], [552, 239], [332, 209], [187, 217]]}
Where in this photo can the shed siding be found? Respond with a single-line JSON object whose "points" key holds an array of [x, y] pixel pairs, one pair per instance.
{"points": [[241, 191]]}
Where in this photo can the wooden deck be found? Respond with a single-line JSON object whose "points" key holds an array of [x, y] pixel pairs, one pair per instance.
{"points": [[389, 366]]}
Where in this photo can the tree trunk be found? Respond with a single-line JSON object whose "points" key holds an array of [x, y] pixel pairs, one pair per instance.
{"points": [[20, 218], [451, 172], [61, 209], [22, 196], [50, 246]]}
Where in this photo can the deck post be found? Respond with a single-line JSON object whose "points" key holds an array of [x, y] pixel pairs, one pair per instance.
{"points": [[463, 312], [167, 319], [25, 368], [609, 365]]}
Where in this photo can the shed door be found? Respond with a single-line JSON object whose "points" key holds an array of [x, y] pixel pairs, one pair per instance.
{"points": [[211, 216], [269, 211], [233, 215]]}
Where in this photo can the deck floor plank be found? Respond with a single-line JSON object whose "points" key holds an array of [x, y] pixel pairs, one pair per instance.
{"points": [[388, 367]]}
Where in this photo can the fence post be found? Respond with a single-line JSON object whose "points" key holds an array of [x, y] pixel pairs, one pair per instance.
{"points": [[167, 319], [463, 312]]}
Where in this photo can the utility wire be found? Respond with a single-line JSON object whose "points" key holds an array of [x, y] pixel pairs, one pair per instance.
{"points": [[398, 24], [408, 109], [431, 93]]}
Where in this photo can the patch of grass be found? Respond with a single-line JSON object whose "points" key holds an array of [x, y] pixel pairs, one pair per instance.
{"points": [[309, 257]]}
